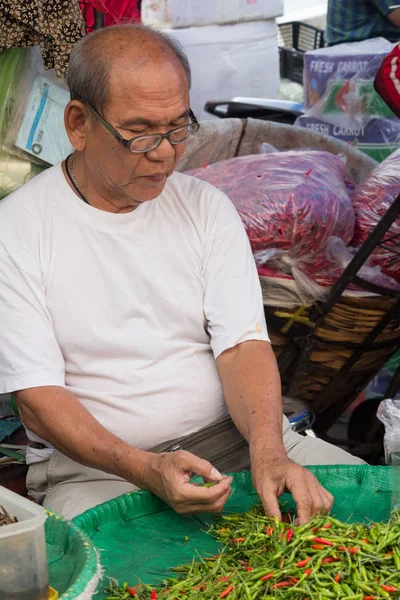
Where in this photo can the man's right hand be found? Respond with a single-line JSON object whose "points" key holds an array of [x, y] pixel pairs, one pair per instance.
{"points": [[167, 475]]}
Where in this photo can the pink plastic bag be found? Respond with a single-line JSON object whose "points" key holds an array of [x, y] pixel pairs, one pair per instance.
{"points": [[290, 203], [371, 200]]}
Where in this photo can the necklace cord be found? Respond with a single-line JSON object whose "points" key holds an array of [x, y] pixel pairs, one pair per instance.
{"points": [[76, 188]]}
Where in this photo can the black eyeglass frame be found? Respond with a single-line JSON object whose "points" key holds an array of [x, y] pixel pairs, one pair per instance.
{"points": [[161, 136]]}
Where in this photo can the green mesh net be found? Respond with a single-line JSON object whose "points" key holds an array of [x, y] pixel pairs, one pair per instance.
{"points": [[140, 538], [71, 558]]}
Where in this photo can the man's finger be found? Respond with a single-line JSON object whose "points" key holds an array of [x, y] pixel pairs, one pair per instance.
{"points": [[318, 502], [194, 494], [302, 497], [310, 497], [322, 499], [328, 499], [270, 502], [194, 509], [199, 466]]}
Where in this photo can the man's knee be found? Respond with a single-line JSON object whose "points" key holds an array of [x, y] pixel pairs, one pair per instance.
{"points": [[307, 450], [72, 499]]}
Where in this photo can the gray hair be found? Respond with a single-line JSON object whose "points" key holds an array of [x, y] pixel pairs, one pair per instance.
{"points": [[88, 69]]}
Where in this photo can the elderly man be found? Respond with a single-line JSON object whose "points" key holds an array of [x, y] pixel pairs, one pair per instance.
{"points": [[130, 308]]}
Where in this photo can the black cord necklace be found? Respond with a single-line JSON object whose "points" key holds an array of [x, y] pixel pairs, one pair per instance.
{"points": [[72, 178]]}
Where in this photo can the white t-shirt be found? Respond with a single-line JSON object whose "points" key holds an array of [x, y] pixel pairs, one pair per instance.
{"points": [[127, 311]]}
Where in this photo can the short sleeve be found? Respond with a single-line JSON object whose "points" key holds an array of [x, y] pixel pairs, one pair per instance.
{"points": [[383, 6], [29, 353], [232, 294]]}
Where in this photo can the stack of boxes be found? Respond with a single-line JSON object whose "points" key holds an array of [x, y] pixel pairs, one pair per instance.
{"points": [[231, 44], [340, 100]]}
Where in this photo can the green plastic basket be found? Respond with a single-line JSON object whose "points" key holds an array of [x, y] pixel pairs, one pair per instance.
{"points": [[73, 562], [140, 538]]}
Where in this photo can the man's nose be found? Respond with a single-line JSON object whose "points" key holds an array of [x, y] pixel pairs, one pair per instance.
{"points": [[164, 151]]}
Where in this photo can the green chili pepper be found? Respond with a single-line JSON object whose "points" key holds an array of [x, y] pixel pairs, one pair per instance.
{"points": [[265, 558]]}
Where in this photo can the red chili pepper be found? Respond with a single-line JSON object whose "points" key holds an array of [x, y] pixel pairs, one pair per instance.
{"points": [[282, 584], [289, 535], [153, 595], [248, 569], [322, 541], [307, 572], [303, 563], [342, 549], [227, 591], [286, 518], [328, 525], [131, 591], [353, 550], [368, 597], [266, 577], [314, 529], [365, 541], [269, 530], [225, 578], [203, 587], [329, 559], [337, 578], [389, 588], [389, 553], [237, 540], [318, 547], [294, 579]]}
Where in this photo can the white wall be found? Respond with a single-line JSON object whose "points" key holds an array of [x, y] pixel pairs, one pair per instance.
{"points": [[293, 5]]}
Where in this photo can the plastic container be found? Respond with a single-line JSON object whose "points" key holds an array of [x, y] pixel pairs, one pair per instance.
{"points": [[296, 38], [53, 594], [23, 565]]}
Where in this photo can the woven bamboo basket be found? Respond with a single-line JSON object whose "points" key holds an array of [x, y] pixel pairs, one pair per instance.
{"points": [[317, 363], [317, 370]]}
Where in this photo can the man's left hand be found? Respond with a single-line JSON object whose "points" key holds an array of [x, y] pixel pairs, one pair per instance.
{"points": [[273, 473]]}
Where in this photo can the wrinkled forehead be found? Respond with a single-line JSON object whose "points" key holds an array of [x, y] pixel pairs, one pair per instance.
{"points": [[142, 81]]}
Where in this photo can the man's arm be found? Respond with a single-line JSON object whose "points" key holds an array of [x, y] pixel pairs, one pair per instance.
{"points": [[252, 389], [383, 6], [57, 416], [394, 16], [251, 383]]}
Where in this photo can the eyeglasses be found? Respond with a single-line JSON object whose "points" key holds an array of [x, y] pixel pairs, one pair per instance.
{"points": [[145, 143]]}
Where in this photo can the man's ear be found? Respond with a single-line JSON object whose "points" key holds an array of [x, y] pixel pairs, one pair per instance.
{"points": [[77, 123]]}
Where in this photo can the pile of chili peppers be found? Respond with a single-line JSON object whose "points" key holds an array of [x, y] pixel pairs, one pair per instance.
{"points": [[264, 558], [290, 204], [371, 199]]}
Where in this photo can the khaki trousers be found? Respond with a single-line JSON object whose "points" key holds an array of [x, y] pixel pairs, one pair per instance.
{"points": [[69, 488]]}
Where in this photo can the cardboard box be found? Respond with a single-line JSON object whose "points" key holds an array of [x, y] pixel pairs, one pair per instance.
{"points": [[378, 137], [196, 13], [231, 60], [327, 68]]}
